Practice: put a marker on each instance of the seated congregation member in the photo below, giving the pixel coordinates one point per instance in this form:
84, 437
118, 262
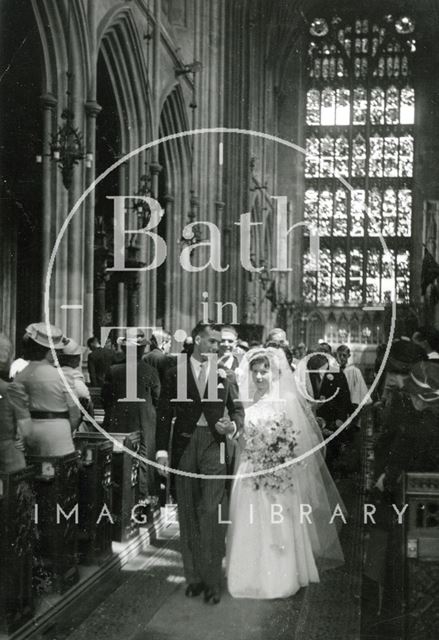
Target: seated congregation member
158, 355
134, 415
11, 458
333, 407
428, 339
40, 392
416, 446
99, 362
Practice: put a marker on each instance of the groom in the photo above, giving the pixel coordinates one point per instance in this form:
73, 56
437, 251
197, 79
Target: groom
200, 428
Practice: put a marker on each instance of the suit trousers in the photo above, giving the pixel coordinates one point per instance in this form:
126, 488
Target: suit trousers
202, 535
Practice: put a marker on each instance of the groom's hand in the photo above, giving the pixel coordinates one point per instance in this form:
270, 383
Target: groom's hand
224, 426
164, 461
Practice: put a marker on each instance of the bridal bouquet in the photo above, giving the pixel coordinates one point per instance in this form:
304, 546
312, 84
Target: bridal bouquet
270, 442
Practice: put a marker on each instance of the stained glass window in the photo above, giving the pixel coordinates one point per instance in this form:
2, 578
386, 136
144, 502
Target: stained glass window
360, 115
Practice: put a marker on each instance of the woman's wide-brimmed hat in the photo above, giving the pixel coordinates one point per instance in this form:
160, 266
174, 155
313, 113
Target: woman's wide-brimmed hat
423, 381
71, 347
139, 340
37, 331
403, 355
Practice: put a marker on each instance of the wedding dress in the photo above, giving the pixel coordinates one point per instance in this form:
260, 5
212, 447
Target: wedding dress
279, 538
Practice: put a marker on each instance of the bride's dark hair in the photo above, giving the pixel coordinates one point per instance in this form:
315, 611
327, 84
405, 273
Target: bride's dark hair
260, 359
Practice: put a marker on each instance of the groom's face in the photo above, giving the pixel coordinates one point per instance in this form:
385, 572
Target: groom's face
207, 342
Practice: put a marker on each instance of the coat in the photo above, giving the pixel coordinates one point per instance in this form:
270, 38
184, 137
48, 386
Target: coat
125, 417
187, 413
332, 384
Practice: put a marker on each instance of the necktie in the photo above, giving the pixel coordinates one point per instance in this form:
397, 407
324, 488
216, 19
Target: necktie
202, 378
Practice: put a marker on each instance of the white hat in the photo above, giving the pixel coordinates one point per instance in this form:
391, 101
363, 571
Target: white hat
139, 340
71, 348
37, 331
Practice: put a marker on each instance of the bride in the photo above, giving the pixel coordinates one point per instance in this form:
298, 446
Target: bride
280, 512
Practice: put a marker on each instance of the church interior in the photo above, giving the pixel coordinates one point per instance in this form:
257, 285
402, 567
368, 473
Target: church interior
291, 148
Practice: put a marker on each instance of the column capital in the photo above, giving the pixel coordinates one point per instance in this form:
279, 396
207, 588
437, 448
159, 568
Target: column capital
169, 199
92, 108
48, 101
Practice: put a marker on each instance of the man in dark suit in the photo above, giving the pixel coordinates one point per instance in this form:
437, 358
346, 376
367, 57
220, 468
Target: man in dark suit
229, 340
200, 429
99, 362
158, 355
125, 416
331, 388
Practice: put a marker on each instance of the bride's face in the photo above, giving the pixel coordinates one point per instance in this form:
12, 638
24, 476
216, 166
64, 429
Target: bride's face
262, 376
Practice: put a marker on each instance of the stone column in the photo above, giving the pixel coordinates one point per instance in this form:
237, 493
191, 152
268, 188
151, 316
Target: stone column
48, 102
121, 311
133, 299
92, 109
155, 168
173, 268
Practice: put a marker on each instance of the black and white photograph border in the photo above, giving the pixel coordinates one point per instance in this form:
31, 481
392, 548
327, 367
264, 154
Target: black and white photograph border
219, 339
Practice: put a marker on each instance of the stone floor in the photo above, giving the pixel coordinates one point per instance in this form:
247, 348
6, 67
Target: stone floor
146, 601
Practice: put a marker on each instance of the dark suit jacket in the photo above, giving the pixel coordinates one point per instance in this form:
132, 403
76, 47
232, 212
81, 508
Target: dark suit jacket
188, 413
332, 383
160, 361
235, 363
124, 417
415, 448
99, 363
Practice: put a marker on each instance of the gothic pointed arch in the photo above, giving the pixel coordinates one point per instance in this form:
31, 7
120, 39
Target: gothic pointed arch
179, 202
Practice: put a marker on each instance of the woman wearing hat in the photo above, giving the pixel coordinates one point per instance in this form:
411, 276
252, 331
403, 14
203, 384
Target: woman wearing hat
416, 448
395, 408
11, 458
40, 390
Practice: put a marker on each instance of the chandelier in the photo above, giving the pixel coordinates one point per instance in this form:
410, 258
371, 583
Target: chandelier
66, 145
191, 236
142, 208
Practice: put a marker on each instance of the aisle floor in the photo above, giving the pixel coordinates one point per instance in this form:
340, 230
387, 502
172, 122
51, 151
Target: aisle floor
149, 603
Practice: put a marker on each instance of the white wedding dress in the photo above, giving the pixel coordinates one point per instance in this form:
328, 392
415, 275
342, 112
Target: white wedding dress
272, 550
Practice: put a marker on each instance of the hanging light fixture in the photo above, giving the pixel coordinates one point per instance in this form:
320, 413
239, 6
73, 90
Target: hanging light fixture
142, 208
319, 27
191, 236
66, 145
405, 25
